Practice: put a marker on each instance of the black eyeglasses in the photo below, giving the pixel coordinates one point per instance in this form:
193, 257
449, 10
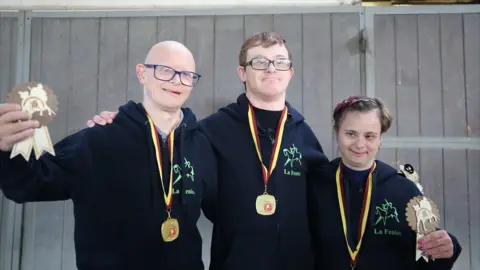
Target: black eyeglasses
166, 73
263, 64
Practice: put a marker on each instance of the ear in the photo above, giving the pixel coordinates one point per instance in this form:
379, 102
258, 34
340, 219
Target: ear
140, 71
291, 72
241, 73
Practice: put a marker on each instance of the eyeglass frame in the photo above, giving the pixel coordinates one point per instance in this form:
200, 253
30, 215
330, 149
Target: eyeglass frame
154, 66
249, 63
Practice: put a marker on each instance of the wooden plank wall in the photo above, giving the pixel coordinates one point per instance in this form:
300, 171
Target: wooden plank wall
90, 63
8, 45
427, 70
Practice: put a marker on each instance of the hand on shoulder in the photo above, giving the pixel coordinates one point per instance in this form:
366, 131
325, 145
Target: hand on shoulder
102, 119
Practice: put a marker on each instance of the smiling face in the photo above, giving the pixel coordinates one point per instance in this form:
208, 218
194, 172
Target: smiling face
265, 65
359, 138
159, 86
270, 81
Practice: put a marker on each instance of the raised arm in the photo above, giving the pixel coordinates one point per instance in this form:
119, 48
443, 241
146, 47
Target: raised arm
49, 178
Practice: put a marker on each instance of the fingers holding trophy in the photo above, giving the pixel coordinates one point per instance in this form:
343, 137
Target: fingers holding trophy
41, 103
422, 214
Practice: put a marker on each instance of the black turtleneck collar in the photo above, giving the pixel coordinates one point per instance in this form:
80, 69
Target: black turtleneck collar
354, 175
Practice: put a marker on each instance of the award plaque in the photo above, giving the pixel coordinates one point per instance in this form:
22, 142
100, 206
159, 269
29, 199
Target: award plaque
423, 217
40, 101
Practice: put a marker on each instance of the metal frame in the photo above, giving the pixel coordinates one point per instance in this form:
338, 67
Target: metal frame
200, 12
432, 142
371, 12
412, 142
12, 219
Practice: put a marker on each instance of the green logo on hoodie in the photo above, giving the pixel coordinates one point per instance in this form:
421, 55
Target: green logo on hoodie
188, 173
293, 159
385, 213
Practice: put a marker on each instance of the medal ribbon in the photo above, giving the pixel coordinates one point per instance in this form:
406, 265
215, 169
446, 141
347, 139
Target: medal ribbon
363, 215
158, 154
276, 147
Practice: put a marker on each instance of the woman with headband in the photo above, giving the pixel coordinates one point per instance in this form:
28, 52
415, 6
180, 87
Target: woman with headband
361, 211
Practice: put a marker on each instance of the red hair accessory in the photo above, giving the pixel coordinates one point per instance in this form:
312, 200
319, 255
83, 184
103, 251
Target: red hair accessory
344, 103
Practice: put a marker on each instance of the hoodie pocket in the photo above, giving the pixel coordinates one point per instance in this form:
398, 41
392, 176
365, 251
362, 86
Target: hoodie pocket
252, 249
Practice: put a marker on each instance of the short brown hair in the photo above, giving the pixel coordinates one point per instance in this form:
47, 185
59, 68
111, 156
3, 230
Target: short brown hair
362, 104
264, 39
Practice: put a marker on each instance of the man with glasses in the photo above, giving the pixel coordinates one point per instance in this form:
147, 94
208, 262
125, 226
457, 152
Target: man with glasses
262, 145
138, 184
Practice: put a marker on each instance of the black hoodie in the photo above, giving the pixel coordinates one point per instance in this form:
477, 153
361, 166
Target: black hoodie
388, 243
243, 239
111, 175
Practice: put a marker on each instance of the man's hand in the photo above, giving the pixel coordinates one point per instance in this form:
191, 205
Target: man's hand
102, 119
15, 126
437, 245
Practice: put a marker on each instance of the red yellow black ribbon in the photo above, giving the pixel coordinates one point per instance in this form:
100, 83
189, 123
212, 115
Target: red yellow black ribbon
363, 215
276, 147
170, 142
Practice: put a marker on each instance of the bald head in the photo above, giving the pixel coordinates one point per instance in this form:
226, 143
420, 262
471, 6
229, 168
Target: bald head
169, 49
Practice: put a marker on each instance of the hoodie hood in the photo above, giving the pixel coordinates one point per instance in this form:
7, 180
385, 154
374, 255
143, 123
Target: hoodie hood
383, 172
136, 114
239, 110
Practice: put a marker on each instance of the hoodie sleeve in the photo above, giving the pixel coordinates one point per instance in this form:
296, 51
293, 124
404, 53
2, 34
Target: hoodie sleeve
209, 202
48, 178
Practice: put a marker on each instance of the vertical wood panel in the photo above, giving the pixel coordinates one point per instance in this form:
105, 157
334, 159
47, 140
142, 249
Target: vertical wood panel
431, 177
317, 78
385, 61
199, 37
453, 75
456, 205
82, 105
472, 71
407, 76
345, 64
388, 155
142, 35
430, 75
8, 52
257, 23
45, 225
473, 160
229, 36
290, 27
28, 249
171, 28
112, 72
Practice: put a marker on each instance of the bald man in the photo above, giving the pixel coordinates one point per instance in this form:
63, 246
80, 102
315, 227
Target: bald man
137, 185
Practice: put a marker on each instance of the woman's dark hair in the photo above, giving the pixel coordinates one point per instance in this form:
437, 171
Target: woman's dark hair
362, 104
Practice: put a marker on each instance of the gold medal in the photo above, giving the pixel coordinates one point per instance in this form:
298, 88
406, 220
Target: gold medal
170, 230
266, 205
170, 227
